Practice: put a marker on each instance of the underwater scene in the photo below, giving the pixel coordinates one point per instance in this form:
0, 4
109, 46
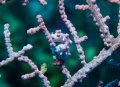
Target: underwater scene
59, 43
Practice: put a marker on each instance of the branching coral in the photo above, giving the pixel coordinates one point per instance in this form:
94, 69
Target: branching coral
19, 56
61, 51
114, 1
43, 2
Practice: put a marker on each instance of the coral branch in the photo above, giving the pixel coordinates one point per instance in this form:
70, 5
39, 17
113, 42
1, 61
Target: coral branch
81, 7
81, 74
43, 2
99, 19
66, 72
72, 30
28, 76
104, 29
118, 27
45, 30
12, 55
7, 39
114, 1
42, 27
35, 72
15, 55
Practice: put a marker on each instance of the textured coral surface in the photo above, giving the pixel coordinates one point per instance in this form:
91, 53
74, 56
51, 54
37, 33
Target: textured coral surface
59, 43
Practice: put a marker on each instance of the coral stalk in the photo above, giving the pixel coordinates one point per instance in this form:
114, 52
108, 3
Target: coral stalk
73, 32
118, 27
35, 72
42, 2
81, 74
12, 55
